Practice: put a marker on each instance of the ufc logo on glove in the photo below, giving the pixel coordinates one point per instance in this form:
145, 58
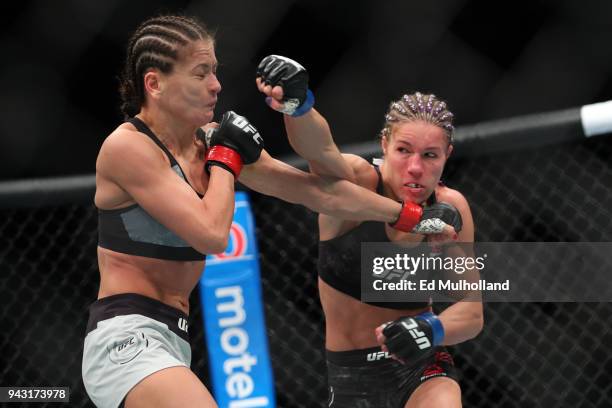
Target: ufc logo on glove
244, 124
419, 337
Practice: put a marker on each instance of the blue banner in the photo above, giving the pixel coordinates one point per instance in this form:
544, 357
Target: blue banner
230, 293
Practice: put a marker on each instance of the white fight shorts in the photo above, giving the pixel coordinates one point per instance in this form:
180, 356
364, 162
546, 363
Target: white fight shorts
130, 337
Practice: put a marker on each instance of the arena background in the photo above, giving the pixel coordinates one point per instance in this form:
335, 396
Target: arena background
489, 60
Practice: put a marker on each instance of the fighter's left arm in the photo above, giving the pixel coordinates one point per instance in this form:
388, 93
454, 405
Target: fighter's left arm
462, 320
410, 337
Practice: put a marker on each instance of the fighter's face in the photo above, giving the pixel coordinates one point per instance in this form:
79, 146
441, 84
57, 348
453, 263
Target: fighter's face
190, 90
415, 154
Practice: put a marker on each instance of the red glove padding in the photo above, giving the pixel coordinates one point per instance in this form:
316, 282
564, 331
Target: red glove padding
224, 157
409, 217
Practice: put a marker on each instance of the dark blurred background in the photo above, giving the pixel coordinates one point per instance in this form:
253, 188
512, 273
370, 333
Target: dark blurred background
58, 83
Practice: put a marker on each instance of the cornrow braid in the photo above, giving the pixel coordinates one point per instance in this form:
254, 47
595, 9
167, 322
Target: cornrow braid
418, 106
155, 44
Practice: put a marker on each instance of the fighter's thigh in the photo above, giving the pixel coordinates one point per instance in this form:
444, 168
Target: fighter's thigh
170, 387
437, 392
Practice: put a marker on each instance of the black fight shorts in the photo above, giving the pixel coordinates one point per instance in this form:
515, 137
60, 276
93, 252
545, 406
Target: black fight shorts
370, 378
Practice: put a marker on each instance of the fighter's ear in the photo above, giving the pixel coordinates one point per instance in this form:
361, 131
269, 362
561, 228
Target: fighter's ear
449, 150
384, 142
153, 83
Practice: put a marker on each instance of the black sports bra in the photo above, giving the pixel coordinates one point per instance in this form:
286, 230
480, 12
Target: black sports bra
339, 263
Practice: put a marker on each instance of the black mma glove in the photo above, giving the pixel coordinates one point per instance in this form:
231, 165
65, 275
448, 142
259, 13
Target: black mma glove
234, 143
275, 70
428, 220
410, 338
435, 216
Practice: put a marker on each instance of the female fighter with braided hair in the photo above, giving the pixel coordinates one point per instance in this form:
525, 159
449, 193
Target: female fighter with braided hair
416, 141
165, 200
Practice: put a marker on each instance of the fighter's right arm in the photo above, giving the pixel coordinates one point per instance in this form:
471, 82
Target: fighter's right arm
310, 136
134, 164
326, 195
285, 83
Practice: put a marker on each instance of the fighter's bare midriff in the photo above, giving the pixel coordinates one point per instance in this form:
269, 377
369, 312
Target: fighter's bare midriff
350, 324
170, 282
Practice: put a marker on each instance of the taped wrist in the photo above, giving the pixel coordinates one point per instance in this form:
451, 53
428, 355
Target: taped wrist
306, 106
429, 226
437, 330
224, 157
408, 218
